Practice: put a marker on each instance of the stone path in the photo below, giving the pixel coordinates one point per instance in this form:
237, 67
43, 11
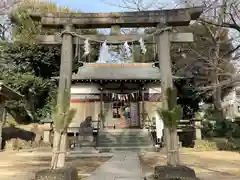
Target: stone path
122, 166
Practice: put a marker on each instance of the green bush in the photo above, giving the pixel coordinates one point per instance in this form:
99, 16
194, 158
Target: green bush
222, 128
219, 128
205, 145
11, 122
230, 144
207, 129
236, 131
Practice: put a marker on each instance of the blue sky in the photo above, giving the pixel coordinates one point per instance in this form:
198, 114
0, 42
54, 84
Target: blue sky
88, 5
98, 5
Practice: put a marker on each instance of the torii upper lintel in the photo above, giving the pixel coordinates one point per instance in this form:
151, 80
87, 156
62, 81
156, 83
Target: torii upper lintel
169, 17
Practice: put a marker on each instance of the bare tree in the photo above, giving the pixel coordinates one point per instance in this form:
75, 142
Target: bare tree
134, 5
5, 25
224, 15
219, 17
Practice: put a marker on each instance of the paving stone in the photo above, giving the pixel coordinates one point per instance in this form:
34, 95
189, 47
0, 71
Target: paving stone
122, 166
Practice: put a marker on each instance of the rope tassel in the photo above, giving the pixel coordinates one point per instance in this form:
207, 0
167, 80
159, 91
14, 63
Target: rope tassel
86, 47
142, 45
127, 49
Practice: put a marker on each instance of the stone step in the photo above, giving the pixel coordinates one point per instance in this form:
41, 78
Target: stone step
134, 133
124, 131
84, 150
124, 138
125, 145
126, 148
118, 139
124, 142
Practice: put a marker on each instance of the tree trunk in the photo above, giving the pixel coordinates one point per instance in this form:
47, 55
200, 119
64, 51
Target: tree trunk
217, 101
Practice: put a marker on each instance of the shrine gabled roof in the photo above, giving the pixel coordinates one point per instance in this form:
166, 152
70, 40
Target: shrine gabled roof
126, 71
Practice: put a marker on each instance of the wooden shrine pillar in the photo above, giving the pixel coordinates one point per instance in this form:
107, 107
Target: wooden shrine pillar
102, 116
143, 108
65, 81
163, 47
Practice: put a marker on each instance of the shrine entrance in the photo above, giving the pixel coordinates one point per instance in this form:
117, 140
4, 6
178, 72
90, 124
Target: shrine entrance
163, 20
121, 104
122, 113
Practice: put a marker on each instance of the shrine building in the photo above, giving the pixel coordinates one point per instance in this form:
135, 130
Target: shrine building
135, 86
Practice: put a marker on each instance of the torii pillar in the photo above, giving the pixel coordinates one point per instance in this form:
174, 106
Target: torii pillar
64, 87
164, 56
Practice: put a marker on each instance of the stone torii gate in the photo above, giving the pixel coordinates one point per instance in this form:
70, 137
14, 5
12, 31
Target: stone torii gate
70, 22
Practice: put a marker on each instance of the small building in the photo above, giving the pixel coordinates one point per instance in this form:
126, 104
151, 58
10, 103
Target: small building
124, 92
6, 93
128, 94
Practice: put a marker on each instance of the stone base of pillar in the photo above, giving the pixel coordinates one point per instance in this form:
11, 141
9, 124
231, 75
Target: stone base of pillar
170, 172
66, 173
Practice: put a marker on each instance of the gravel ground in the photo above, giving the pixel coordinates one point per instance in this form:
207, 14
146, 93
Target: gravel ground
208, 165
22, 165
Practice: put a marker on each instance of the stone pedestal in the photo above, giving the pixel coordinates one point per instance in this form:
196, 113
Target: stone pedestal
46, 136
47, 127
169, 173
198, 132
66, 173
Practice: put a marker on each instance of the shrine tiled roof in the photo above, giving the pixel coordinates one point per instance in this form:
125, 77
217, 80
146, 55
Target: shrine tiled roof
127, 71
